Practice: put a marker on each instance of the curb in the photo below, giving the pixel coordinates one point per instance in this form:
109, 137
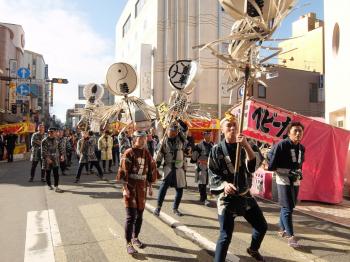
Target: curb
307, 213
187, 233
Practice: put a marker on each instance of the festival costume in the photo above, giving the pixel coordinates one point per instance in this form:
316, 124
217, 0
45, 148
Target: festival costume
35, 155
221, 172
200, 156
137, 170
285, 158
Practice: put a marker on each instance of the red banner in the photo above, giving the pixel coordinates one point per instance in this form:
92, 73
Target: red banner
18, 128
326, 148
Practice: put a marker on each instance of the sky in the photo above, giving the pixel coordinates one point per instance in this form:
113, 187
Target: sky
77, 38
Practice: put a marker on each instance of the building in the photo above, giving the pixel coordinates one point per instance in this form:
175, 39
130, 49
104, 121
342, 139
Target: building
152, 35
11, 58
305, 49
37, 102
337, 54
296, 90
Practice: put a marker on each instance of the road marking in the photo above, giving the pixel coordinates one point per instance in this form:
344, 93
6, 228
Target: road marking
42, 235
107, 232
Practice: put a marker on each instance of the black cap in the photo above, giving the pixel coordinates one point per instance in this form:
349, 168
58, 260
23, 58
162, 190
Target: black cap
52, 129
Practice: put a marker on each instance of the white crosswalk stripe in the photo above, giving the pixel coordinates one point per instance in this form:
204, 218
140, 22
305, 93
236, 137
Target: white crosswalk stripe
42, 235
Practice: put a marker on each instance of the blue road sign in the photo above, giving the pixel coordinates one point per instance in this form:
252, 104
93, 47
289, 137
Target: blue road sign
23, 72
23, 89
241, 91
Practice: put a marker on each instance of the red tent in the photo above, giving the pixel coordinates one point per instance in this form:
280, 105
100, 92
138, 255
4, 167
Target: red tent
326, 148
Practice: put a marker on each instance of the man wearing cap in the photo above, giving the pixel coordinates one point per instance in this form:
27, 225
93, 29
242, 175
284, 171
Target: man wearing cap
174, 167
35, 155
51, 155
233, 197
137, 171
200, 156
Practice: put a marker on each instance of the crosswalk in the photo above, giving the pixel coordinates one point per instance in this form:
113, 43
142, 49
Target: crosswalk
44, 243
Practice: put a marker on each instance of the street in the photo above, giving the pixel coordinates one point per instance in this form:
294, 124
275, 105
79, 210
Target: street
86, 223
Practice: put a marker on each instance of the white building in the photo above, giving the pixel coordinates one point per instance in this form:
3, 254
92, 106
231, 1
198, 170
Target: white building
337, 57
152, 34
337, 52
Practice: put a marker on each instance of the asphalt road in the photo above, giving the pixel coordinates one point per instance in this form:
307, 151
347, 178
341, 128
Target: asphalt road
85, 223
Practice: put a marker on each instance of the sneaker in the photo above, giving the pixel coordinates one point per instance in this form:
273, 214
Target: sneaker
156, 211
293, 242
51, 187
255, 254
137, 242
207, 203
130, 249
177, 212
76, 181
30, 179
43, 180
282, 233
58, 190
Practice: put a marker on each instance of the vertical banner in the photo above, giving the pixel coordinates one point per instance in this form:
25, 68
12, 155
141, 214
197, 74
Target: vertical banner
13, 68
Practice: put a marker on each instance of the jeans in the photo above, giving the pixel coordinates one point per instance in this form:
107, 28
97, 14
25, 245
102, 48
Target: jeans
32, 170
55, 176
202, 188
133, 223
254, 216
286, 220
162, 192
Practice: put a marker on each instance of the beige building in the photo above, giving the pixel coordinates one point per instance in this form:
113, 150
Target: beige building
305, 49
337, 54
152, 34
11, 57
295, 90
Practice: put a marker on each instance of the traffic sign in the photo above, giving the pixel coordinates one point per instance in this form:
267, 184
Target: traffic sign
241, 91
23, 89
23, 72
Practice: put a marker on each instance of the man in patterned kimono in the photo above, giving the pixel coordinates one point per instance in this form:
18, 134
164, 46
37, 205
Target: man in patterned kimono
35, 155
231, 203
62, 140
174, 167
124, 139
137, 171
200, 156
51, 155
86, 152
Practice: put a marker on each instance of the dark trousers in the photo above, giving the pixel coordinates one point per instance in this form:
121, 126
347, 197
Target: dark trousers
32, 170
162, 192
254, 216
115, 155
286, 220
202, 188
93, 163
63, 166
109, 164
133, 223
55, 176
69, 159
10, 154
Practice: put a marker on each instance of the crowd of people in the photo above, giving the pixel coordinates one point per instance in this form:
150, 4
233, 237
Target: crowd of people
138, 155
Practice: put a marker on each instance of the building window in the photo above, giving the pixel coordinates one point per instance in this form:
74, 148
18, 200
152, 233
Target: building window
138, 6
126, 26
340, 123
336, 39
313, 93
261, 91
